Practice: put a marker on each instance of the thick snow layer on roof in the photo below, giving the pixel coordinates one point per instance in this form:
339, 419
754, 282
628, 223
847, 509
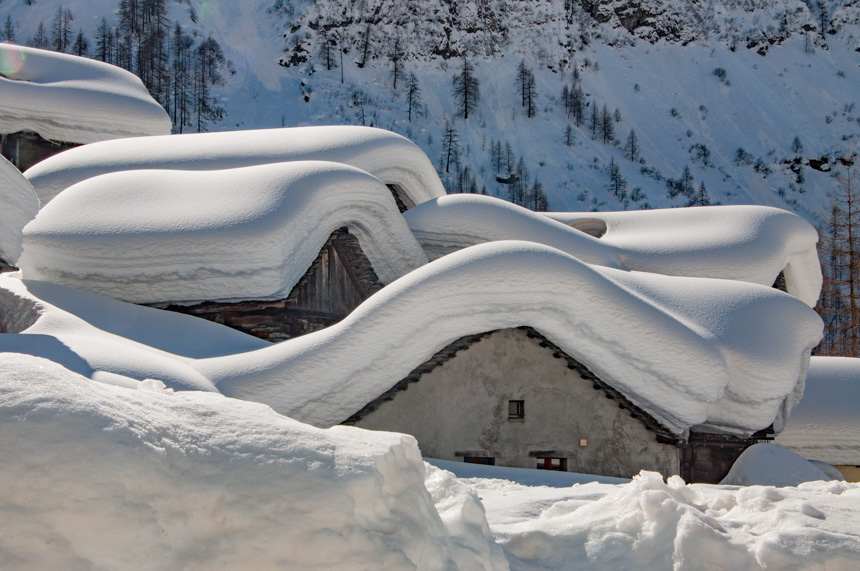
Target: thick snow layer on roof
686, 350
18, 205
245, 233
393, 159
106, 477
655, 524
68, 98
746, 243
826, 424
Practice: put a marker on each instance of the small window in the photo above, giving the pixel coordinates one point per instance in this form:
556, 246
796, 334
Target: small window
516, 409
486, 460
558, 464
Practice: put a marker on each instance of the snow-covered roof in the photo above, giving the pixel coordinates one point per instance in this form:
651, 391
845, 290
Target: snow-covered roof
686, 350
389, 157
244, 233
746, 243
826, 424
68, 98
18, 205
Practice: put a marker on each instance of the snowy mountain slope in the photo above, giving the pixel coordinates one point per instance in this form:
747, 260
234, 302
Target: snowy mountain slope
804, 86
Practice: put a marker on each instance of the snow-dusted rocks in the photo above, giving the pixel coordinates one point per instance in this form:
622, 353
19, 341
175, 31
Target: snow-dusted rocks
107, 477
746, 243
243, 233
67, 98
393, 159
18, 205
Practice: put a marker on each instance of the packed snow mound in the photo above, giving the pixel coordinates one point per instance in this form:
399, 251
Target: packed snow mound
245, 233
111, 341
826, 424
68, 98
747, 243
655, 524
18, 205
676, 347
769, 464
393, 159
106, 477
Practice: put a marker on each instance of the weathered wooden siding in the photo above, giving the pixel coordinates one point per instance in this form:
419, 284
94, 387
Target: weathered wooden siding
337, 282
24, 149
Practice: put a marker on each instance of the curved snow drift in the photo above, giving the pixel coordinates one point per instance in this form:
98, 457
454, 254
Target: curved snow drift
68, 98
183, 236
746, 243
393, 159
18, 205
675, 346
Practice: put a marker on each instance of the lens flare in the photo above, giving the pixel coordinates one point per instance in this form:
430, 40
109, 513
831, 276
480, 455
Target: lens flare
11, 61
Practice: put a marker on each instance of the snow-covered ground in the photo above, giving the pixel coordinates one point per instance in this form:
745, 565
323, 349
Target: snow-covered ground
145, 478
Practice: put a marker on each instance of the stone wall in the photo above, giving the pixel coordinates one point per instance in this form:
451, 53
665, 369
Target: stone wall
25, 148
459, 406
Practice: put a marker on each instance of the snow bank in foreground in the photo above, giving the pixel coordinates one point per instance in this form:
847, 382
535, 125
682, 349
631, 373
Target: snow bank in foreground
746, 243
100, 476
826, 424
18, 205
245, 233
68, 98
768, 464
389, 157
652, 524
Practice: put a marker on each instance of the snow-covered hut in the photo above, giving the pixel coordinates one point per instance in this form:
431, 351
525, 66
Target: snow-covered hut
825, 426
565, 343
52, 101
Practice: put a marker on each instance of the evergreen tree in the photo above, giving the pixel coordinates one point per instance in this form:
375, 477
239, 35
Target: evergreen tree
40, 38
105, 42
617, 184
701, 197
595, 119
208, 61
466, 89
797, 146
396, 56
413, 94
327, 48
577, 100
450, 146
181, 79
632, 146
61, 30
568, 135
9, 30
81, 46
606, 128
